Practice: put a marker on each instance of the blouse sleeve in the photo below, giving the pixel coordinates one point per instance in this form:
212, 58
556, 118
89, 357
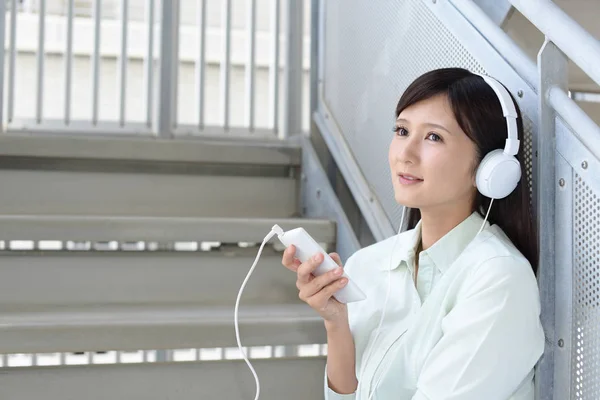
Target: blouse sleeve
331, 395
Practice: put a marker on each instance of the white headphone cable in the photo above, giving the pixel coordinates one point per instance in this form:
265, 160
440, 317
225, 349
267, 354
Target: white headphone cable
237, 306
486, 216
387, 294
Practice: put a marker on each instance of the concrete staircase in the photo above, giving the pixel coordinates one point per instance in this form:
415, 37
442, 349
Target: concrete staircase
126, 244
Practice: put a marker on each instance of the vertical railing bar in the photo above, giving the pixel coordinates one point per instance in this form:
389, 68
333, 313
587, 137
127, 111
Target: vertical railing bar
175, 61
166, 111
122, 74
149, 63
200, 62
315, 35
225, 62
292, 118
40, 62
162, 356
2, 38
69, 61
274, 67
250, 65
96, 61
11, 62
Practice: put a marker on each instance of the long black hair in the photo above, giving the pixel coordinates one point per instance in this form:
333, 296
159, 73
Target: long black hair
479, 114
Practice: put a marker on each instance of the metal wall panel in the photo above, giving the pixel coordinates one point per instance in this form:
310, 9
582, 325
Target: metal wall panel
577, 370
585, 356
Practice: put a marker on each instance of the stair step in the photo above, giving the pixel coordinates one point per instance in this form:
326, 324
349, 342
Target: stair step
280, 378
148, 177
51, 192
49, 280
150, 149
158, 229
131, 328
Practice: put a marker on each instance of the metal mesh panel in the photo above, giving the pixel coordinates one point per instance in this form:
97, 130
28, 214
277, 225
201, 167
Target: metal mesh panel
527, 144
373, 51
585, 365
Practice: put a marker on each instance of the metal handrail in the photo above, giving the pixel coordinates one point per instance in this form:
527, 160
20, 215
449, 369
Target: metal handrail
576, 118
570, 37
562, 104
503, 44
579, 46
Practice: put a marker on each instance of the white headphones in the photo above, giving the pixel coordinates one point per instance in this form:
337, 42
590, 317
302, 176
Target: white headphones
500, 172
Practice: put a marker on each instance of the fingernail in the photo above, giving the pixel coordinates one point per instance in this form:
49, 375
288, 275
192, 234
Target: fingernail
338, 271
317, 257
343, 281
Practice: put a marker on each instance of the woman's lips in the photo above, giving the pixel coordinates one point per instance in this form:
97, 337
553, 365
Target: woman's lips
407, 179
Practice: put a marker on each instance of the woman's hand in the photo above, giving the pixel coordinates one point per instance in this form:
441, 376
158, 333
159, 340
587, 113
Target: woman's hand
317, 291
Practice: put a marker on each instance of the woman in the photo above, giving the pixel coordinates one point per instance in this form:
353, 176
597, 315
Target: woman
462, 318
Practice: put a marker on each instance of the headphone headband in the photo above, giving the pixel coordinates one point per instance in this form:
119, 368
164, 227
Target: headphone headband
510, 113
499, 172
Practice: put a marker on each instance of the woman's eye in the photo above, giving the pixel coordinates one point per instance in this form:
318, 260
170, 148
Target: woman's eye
400, 131
435, 137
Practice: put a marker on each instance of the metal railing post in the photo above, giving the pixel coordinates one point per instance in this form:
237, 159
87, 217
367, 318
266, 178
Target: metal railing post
274, 66
2, 30
552, 68
225, 77
166, 113
11, 65
39, 113
292, 111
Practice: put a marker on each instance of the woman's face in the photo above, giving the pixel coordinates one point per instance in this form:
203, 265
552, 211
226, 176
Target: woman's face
431, 159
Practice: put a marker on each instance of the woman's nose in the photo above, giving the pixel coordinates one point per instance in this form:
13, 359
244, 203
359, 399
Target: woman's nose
407, 150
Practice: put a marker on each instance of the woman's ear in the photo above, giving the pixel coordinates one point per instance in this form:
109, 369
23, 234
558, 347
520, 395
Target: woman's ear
474, 175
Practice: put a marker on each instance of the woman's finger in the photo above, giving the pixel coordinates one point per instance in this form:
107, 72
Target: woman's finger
320, 299
288, 260
336, 258
315, 285
305, 270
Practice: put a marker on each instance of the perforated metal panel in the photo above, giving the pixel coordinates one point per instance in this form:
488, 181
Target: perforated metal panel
528, 152
372, 52
585, 364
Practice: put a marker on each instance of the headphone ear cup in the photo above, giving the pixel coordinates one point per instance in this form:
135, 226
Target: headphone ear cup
498, 174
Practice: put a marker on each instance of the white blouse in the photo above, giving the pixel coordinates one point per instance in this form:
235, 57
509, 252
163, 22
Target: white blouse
470, 329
